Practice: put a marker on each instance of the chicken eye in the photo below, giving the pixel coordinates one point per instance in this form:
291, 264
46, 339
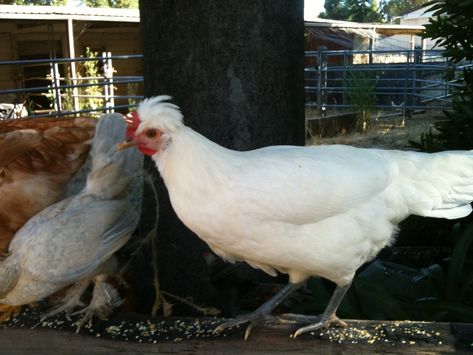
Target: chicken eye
151, 133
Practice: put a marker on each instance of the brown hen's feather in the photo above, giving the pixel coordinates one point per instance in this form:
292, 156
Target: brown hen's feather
38, 157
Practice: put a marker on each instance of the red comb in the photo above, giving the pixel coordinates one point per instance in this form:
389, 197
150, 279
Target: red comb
133, 121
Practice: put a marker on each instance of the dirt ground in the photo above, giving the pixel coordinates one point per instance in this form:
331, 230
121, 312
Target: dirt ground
388, 132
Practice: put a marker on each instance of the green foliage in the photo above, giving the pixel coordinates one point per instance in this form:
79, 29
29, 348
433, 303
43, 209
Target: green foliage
361, 95
394, 8
452, 28
88, 72
335, 10
454, 130
91, 72
132, 90
352, 10
368, 10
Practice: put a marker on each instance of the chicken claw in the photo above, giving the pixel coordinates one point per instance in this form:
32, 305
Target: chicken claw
327, 319
6, 311
316, 322
262, 315
70, 301
257, 318
104, 299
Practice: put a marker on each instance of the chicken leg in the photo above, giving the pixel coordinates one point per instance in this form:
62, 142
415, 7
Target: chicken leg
261, 314
71, 300
327, 319
104, 299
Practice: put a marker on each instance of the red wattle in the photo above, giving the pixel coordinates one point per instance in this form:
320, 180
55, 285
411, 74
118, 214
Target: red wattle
147, 151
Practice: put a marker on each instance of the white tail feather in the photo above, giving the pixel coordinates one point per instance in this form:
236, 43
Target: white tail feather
444, 182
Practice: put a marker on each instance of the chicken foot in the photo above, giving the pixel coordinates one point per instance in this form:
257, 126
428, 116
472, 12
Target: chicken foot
70, 301
6, 311
326, 320
104, 299
262, 314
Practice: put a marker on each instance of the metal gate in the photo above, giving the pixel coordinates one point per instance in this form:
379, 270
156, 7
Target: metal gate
71, 91
407, 79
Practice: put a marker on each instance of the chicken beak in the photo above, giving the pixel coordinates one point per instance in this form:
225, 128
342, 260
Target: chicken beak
128, 143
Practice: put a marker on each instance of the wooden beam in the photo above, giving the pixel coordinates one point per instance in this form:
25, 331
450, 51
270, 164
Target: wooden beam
132, 333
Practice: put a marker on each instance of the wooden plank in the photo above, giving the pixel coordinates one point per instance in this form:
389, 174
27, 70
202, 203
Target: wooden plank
129, 333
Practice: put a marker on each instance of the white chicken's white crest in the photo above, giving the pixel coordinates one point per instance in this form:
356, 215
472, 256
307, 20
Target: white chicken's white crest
156, 112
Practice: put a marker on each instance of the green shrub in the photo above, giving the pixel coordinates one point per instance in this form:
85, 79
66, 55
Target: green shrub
361, 88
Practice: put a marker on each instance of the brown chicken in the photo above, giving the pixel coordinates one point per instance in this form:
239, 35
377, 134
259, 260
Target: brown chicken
38, 157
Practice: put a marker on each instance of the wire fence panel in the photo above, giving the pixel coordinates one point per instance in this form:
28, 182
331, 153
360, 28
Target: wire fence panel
407, 79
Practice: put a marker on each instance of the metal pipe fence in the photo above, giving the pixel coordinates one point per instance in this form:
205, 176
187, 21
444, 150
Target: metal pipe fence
69, 94
396, 79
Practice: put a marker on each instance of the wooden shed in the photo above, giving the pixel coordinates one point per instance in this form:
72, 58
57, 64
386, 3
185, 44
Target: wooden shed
41, 32
346, 35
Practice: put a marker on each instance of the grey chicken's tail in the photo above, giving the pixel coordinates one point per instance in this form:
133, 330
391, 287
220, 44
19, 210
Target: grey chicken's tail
112, 169
10, 274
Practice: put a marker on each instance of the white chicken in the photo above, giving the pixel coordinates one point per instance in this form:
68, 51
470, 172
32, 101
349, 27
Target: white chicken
303, 211
72, 241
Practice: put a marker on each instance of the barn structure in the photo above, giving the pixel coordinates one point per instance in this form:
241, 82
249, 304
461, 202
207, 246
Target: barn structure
42, 32
346, 35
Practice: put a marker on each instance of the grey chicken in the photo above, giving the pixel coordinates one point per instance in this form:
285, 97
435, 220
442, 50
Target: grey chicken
72, 241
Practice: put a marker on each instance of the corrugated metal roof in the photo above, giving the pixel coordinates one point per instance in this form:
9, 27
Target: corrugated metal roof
368, 26
80, 13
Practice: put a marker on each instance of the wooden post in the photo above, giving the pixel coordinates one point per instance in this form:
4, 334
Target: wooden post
370, 54
72, 65
236, 69
412, 45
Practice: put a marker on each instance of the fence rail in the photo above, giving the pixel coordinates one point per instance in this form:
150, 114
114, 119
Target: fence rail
401, 79
398, 79
85, 94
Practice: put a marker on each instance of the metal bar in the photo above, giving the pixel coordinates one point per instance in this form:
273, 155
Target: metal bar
327, 82
116, 97
46, 88
390, 107
105, 80
67, 60
54, 70
108, 73
319, 80
67, 113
